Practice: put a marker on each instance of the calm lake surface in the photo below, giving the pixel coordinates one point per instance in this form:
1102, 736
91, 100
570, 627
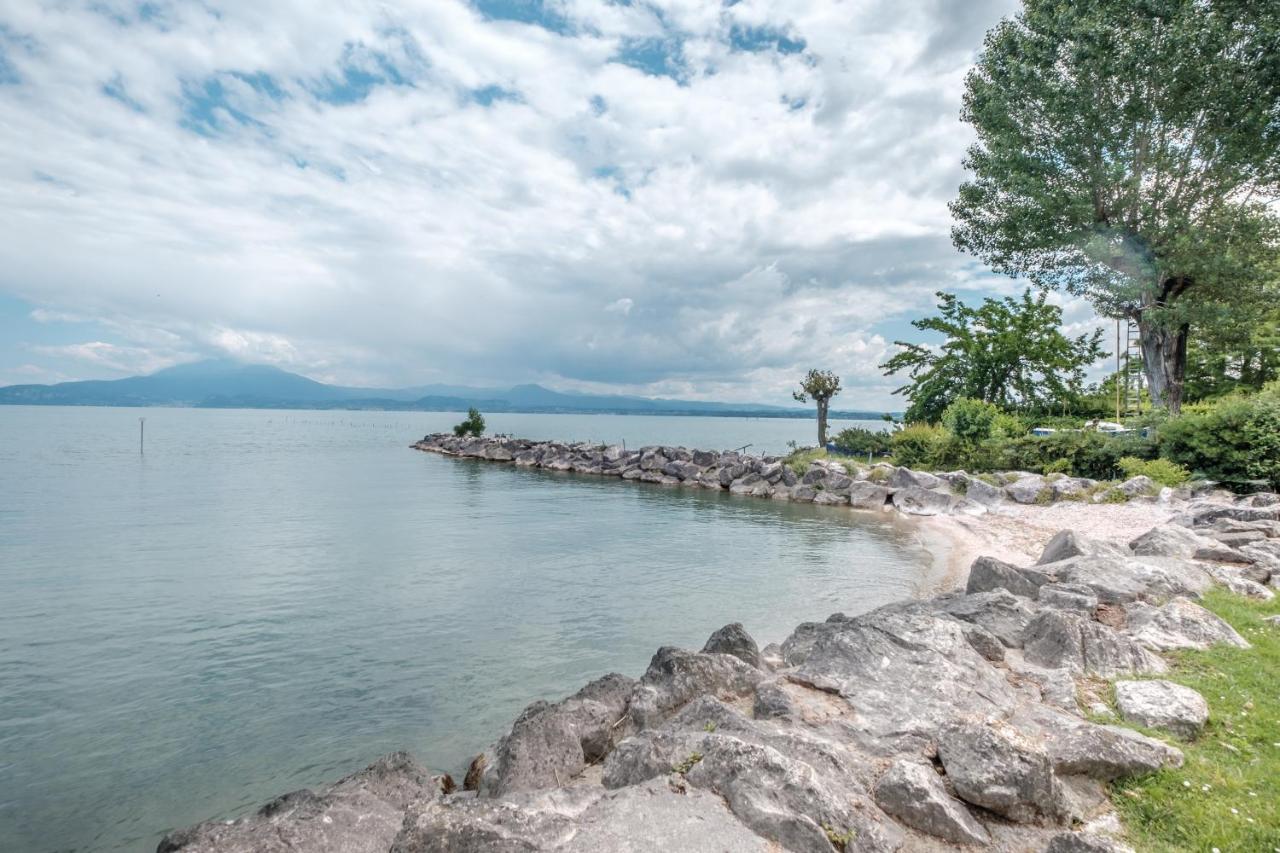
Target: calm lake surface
268, 600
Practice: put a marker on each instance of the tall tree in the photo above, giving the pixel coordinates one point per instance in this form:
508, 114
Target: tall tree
1008, 351
821, 385
1127, 150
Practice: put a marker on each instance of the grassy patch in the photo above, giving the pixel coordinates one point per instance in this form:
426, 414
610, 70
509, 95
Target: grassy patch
1227, 794
800, 460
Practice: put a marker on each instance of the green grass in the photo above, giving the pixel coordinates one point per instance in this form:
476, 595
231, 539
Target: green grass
800, 460
1227, 794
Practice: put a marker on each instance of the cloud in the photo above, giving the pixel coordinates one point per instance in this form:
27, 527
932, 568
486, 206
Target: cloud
452, 192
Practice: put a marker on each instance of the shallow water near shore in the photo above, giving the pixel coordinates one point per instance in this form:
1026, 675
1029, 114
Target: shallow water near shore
267, 600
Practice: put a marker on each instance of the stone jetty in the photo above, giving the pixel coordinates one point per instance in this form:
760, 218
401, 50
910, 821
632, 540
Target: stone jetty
824, 481
960, 722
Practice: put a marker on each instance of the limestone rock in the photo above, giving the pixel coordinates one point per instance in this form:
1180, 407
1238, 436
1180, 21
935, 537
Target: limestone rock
988, 573
1000, 770
999, 611
1162, 705
1080, 748
550, 743
915, 795
1056, 638
906, 672
1119, 580
1180, 624
1066, 544
1029, 489
905, 478
676, 676
734, 640
1138, 486
1069, 596
914, 500
867, 495
1169, 540
360, 814
1085, 842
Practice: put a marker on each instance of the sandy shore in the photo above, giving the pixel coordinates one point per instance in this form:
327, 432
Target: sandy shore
1016, 533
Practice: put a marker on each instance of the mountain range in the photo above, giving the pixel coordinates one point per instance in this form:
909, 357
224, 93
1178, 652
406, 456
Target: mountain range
221, 383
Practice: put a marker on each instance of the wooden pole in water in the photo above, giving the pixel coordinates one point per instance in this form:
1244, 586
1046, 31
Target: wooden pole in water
142, 425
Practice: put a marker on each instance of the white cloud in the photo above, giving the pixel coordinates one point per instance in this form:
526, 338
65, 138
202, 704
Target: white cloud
763, 214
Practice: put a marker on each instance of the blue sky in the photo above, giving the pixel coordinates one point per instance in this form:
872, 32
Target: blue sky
674, 198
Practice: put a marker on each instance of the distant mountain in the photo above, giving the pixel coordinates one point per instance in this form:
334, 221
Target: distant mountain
231, 384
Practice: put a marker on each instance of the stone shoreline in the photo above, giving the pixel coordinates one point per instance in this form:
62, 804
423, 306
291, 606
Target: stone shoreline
945, 724
827, 482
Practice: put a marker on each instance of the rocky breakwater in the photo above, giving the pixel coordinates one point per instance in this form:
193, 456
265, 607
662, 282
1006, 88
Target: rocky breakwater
823, 481
945, 724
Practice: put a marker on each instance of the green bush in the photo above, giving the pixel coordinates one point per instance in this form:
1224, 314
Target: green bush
856, 441
970, 421
473, 425
1009, 426
918, 445
1087, 454
1234, 441
1163, 471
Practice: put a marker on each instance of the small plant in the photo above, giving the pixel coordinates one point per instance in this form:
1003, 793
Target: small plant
918, 445
1163, 471
1058, 466
709, 727
472, 426
685, 766
1044, 497
878, 475
839, 840
856, 441
1113, 495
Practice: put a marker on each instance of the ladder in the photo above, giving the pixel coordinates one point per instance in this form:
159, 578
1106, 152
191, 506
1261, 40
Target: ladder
1132, 376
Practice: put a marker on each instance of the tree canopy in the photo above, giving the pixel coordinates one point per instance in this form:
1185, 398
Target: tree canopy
1127, 152
1010, 352
821, 385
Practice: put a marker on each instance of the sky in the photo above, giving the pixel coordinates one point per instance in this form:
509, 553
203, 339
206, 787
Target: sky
676, 198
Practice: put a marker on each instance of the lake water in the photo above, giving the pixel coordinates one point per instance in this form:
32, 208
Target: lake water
268, 600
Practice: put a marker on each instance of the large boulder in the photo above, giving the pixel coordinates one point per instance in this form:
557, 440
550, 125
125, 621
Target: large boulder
1180, 624
999, 611
551, 743
676, 677
1056, 638
1069, 596
988, 573
998, 768
867, 495
905, 478
1119, 580
1080, 748
1169, 540
362, 813
905, 671
914, 500
915, 795
1159, 704
1138, 486
1066, 544
982, 492
1029, 490
734, 640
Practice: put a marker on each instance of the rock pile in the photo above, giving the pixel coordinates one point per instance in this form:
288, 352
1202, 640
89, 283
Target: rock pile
824, 482
943, 724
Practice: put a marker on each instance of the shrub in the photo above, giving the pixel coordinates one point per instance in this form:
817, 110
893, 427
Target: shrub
856, 441
1234, 441
1088, 454
1009, 426
918, 445
473, 425
1163, 471
970, 421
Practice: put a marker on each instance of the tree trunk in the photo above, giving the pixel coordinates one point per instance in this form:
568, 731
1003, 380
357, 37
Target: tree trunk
822, 422
1164, 359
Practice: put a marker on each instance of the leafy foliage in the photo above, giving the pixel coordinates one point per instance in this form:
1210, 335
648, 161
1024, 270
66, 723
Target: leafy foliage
1009, 352
1126, 151
970, 420
1163, 471
856, 441
918, 445
1234, 441
473, 425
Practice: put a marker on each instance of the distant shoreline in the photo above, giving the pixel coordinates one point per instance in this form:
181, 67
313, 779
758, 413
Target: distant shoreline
394, 406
